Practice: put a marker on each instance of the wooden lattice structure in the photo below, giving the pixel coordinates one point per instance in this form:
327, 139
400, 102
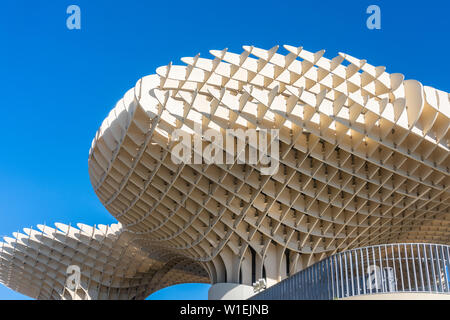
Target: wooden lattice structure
363, 160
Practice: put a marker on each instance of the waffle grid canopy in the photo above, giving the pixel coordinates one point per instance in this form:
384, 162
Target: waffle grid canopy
363, 160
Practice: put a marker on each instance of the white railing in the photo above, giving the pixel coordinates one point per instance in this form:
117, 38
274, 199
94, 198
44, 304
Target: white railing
404, 267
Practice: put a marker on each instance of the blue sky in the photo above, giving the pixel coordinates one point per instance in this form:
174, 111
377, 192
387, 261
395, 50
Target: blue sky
57, 85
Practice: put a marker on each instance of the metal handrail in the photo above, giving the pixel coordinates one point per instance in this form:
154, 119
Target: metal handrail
390, 268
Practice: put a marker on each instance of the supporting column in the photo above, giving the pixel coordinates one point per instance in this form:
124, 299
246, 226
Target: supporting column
230, 291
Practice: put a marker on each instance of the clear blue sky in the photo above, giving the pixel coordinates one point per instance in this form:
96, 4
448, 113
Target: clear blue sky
57, 85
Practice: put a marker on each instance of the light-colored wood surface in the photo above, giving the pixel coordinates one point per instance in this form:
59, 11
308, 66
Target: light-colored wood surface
113, 264
363, 161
